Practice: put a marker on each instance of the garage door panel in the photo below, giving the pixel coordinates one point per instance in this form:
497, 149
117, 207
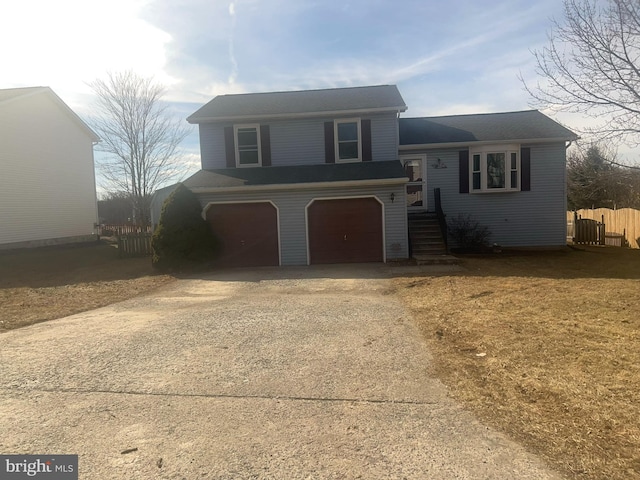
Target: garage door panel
345, 230
248, 233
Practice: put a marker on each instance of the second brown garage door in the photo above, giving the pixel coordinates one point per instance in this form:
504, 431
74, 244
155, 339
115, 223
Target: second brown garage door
248, 233
345, 231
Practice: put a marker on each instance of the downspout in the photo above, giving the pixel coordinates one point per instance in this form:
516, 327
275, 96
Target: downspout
96, 224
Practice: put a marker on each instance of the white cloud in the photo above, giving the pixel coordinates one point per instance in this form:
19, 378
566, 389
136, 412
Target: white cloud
66, 43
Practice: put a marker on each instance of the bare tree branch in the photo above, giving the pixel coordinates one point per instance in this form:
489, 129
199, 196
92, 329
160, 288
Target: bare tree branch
592, 66
139, 136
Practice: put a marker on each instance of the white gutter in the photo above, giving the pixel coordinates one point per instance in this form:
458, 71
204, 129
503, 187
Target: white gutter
302, 186
332, 113
421, 146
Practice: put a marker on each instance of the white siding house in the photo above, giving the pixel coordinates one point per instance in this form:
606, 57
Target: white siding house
47, 179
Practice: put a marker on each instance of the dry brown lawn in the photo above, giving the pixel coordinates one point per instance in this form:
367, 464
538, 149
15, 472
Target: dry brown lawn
48, 283
544, 346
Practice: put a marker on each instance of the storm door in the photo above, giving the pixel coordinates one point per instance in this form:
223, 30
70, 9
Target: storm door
415, 169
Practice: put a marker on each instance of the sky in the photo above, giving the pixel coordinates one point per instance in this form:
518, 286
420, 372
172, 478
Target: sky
459, 56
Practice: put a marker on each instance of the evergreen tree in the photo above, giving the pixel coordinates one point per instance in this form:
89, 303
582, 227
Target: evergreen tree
183, 239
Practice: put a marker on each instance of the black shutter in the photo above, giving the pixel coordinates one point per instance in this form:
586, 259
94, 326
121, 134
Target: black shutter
230, 147
265, 145
525, 169
463, 156
329, 145
365, 126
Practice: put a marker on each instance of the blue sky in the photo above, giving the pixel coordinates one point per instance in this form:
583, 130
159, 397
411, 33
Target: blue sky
459, 56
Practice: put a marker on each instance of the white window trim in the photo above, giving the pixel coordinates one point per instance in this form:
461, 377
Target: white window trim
483, 150
336, 140
235, 140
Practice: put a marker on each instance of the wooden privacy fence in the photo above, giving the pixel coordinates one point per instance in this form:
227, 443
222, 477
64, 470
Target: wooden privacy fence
134, 245
588, 232
622, 226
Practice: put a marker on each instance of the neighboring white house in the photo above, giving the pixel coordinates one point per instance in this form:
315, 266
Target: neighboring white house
47, 178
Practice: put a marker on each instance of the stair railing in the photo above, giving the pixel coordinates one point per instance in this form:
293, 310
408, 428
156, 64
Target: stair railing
442, 218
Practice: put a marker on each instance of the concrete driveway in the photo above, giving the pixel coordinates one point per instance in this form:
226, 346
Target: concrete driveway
277, 373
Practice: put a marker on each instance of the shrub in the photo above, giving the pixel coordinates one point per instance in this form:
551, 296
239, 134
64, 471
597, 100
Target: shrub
183, 239
467, 233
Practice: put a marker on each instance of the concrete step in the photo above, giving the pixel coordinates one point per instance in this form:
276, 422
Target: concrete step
436, 260
415, 246
433, 248
428, 246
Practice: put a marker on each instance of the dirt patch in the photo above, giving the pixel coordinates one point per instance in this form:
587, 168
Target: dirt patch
545, 347
47, 283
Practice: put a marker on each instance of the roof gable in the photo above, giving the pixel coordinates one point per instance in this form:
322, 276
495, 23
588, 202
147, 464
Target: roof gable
489, 127
302, 103
11, 95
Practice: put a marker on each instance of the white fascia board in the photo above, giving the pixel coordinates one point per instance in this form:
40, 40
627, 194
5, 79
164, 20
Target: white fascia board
94, 136
296, 115
431, 146
302, 186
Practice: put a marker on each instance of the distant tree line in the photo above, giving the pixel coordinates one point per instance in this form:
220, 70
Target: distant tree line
596, 180
116, 208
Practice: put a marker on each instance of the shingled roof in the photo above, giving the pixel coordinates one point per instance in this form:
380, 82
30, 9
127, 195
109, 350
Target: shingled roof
389, 171
510, 126
303, 103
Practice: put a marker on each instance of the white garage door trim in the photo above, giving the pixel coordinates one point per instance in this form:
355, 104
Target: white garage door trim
382, 212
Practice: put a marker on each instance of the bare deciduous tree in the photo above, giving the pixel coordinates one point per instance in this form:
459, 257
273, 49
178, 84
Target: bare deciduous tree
139, 137
592, 66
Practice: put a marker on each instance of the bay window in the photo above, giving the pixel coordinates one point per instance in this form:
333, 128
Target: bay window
495, 168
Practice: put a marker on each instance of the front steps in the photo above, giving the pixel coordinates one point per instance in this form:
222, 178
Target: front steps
425, 236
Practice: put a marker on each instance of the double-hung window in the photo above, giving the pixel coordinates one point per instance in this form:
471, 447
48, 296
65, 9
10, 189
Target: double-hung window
495, 168
247, 141
348, 143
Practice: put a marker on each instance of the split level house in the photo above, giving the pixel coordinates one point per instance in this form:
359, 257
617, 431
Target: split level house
47, 180
336, 175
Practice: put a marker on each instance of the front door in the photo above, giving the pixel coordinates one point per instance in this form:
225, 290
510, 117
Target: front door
415, 166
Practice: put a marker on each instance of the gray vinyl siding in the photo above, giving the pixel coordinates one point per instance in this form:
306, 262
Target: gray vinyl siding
292, 204
301, 141
384, 137
532, 218
298, 142
212, 149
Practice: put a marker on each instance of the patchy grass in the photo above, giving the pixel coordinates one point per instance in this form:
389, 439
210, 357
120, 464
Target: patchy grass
48, 283
546, 347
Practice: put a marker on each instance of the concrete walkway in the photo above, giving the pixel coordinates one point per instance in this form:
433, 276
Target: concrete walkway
279, 373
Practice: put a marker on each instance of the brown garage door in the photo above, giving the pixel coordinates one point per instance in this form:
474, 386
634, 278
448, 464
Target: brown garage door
248, 233
346, 230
